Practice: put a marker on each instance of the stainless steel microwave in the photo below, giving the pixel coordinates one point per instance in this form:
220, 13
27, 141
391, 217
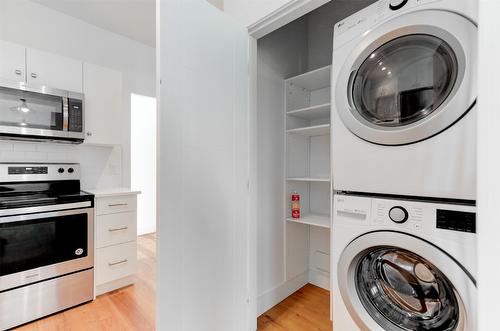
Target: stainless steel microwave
40, 113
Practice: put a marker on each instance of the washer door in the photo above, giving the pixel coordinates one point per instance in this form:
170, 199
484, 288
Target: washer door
394, 281
409, 79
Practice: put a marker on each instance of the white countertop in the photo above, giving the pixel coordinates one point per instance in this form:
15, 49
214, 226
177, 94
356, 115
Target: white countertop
108, 192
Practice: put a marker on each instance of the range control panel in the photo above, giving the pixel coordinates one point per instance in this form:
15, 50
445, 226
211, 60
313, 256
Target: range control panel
22, 172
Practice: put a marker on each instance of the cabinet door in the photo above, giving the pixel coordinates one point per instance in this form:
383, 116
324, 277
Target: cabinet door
12, 62
102, 88
203, 171
43, 68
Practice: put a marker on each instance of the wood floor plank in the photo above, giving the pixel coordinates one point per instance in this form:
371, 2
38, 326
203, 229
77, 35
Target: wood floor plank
308, 309
133, 308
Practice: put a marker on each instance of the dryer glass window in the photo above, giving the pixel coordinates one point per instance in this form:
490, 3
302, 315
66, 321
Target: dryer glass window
405, 80
403, 291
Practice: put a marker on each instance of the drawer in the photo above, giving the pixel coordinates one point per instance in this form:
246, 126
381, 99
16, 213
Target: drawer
115, 262
116, 204
115, 229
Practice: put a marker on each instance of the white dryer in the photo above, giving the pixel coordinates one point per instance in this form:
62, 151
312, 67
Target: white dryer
403, 265
403, 99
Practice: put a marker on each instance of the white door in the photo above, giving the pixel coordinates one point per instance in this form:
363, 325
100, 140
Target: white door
409, 79
203, 224
12, 62
102, 88
53, 70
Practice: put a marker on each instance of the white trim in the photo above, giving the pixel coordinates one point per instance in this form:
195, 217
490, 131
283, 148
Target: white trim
319, 278
282, 16
272, 297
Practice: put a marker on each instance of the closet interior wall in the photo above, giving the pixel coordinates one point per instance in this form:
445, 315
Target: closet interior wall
287, 254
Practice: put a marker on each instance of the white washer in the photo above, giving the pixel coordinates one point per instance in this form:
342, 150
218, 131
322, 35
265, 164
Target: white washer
403, 265
403, 99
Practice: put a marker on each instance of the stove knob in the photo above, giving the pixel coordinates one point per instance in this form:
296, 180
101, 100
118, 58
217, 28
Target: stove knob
397, 4
71, 170
60, 170
398, 215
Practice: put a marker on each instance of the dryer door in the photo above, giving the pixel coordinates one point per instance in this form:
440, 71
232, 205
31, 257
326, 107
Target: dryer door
394, 281
409, 79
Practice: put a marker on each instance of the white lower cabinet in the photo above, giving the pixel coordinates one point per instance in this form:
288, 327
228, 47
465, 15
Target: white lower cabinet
115, 262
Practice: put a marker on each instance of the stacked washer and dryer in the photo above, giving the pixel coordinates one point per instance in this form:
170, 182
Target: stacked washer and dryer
404, 167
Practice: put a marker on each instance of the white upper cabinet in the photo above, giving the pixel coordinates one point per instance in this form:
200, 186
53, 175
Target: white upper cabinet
102, 88
12, 62
54, 71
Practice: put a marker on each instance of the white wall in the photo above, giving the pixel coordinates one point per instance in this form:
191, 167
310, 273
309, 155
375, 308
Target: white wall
488, 165
143, 160
36, 26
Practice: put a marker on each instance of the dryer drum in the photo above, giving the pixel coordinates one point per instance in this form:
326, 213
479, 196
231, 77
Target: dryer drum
399, 287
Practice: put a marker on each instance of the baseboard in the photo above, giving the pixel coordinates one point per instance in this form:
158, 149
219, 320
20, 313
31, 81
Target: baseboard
274, 296
320, 279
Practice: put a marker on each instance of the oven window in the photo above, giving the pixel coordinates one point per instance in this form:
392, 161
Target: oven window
30, 110
31, 244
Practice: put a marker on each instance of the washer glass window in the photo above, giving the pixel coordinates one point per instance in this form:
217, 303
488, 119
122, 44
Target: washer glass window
404, 80
401, 289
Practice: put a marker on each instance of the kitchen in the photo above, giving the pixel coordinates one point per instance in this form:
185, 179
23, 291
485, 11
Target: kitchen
222, 248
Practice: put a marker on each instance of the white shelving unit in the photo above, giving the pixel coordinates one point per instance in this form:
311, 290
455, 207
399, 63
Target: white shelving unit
322, 221
311, 131
312, 113
308, 172
308, 179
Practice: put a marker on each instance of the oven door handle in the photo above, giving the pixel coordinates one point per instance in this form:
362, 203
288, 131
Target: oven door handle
38, 215
42, 209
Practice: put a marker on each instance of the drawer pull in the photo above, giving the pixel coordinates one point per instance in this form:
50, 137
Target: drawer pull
118, 229
119, 262
117, 204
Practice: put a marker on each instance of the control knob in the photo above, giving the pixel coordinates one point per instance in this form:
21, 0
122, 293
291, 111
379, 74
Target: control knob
397, 4
60, 170
398, 214
71, 170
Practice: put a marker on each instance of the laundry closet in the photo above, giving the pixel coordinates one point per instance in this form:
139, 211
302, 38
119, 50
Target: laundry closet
293, 153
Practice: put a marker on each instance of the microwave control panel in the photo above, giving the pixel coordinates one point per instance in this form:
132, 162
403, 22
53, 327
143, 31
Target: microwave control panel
75, 115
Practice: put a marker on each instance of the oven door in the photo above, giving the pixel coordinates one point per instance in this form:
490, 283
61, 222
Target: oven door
39, 246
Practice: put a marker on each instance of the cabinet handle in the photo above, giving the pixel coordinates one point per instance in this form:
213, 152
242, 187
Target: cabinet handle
117, 204
118, 229
34, 75
89, 134
18, 72
116, 263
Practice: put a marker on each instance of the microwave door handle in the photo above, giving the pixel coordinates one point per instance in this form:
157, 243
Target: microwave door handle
65, 114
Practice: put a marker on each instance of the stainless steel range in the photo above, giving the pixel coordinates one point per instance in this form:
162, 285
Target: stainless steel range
46, 241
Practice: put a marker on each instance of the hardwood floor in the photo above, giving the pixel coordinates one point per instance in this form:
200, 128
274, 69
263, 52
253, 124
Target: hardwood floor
133, 307
308, 309
130, 308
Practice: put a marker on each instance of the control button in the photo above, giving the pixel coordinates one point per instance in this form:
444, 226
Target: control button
60, 170
397, 4
71, 170
398, 215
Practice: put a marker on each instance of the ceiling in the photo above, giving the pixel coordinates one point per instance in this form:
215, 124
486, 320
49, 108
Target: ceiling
135, 19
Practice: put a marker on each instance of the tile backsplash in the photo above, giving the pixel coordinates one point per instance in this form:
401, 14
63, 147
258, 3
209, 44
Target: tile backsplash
101, 166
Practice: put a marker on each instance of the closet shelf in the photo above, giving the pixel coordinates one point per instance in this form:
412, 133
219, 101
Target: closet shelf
316, 130
308, 179
322, 221
312, 80
312, 113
